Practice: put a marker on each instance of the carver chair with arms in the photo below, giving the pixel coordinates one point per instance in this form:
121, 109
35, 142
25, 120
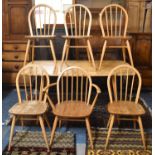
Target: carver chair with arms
75, 98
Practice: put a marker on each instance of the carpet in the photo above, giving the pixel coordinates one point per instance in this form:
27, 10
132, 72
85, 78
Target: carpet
122, 142
32, 142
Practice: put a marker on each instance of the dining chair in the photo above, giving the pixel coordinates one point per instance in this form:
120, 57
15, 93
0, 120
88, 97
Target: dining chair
113, 21
42, 22
124, 86
77, 22
31, 105
75, 99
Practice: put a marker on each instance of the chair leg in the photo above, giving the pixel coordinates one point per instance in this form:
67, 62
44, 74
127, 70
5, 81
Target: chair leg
118, 120
91, 53
53, 51
48, 124
27, 51
67, 50
102, 54
88, 55
60, 122
109, 121
53, 130
63, 53
124, 54
43, 131
109, 130
12, 131
89, 133
33, 50
22, 122
134, 123
129, 52
141, 131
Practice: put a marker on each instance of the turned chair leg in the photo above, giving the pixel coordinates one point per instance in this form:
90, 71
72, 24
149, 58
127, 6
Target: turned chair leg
11, 132
53, 53
102, 54
67, 50
129, 52
91, 53
89, 59
89, 133
63, 54
53, 130
47, 122
142, 131
60, 123
43, 131
109, 121
109, 130
124, 54
27, 51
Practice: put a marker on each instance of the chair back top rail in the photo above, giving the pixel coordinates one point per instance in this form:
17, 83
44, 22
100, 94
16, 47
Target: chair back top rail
124, 84
33, 78
113, 20
78, 20
42, 20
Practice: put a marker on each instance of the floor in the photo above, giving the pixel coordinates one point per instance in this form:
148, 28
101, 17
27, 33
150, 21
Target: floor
9, 98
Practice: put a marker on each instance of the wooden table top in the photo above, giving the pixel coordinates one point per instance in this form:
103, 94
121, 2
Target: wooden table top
107, 66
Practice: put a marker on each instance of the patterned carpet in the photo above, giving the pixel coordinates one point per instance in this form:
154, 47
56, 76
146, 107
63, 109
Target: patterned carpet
122, 142
32, 143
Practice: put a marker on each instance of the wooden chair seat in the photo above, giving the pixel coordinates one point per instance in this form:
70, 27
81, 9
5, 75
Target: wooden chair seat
29, 108
72, 109
125, 108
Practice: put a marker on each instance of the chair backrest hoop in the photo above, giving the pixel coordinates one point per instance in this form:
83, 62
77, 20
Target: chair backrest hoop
50, 27
79, 24
120, 71
77, 78
114, 23
35, 71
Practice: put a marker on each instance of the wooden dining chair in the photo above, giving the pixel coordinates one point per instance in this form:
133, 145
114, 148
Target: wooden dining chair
124, 85
77, 22
113, 21
31, 105
42, 22
75, 98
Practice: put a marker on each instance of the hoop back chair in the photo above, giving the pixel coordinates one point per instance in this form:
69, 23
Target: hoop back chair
42, 23
124, 85
31, 103
113, 21
74, 91
77, 22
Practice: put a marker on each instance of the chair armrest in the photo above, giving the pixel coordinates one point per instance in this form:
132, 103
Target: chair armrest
98, 90
40, 37
50, 85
